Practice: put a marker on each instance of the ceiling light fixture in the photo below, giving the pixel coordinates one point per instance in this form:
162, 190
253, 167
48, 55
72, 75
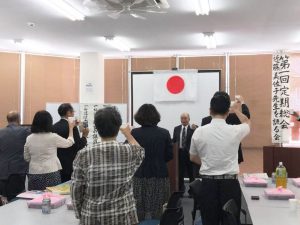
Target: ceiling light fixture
65, 8
18, 41
115, 42
209, 40
202, 7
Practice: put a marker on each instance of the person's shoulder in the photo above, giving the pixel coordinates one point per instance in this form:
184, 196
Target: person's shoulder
30, 137
59, 123
207, 118
135, 130
238, 127
3, 130
163, 130
177, 127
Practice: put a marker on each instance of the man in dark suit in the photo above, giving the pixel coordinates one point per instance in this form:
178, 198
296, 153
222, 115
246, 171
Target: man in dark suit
13, 167
66, 156
233, 120
182, 135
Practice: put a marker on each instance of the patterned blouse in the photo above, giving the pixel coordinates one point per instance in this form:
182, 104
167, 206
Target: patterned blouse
101, 187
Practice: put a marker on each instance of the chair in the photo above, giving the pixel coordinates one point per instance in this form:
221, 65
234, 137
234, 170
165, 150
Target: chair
173, 214
231, 213
195, 190
175, 201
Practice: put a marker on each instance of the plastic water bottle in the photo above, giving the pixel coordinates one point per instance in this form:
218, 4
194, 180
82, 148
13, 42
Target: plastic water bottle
46, 204
281, 176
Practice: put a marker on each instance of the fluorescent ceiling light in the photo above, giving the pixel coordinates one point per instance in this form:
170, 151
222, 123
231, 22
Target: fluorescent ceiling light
209, 40
65, 8
115, 42
202, 7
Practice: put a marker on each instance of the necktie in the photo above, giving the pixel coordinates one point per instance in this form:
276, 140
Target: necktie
183, 138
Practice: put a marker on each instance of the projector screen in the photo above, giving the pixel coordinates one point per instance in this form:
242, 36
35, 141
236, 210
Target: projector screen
142, 91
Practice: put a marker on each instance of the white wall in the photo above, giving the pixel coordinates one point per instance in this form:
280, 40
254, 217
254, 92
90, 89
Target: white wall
91, 85
208, 84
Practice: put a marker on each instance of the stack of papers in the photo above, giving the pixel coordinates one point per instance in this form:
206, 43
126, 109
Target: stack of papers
62, 189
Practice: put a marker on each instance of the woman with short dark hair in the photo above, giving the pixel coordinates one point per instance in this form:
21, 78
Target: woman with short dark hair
40, 151
101, 187
151, 181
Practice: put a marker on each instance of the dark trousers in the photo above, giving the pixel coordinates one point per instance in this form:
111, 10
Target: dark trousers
214, 194
185, 166
14, 185
65, 176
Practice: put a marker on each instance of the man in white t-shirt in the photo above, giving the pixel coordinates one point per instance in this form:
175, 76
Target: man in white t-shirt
215, 147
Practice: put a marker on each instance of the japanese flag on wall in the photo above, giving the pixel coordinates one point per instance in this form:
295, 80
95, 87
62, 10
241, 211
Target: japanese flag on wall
175, 87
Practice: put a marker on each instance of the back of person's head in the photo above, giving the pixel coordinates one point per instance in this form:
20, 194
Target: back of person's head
42, 122
13, 117
108, 121
147, 115
220, 103
64, 108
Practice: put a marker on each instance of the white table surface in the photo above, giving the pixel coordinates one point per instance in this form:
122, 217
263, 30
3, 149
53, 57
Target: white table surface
271, 212
17, 213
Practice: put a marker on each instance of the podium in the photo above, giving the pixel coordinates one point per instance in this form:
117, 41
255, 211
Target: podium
173, 169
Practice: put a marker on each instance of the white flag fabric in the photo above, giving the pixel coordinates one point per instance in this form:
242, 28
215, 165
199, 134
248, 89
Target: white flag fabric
175, 87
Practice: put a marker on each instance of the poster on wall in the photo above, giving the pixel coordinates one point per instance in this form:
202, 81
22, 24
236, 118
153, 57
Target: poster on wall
87, 113
280, 97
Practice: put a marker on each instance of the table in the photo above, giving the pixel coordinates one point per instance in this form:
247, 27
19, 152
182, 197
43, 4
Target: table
270, 212
17, 213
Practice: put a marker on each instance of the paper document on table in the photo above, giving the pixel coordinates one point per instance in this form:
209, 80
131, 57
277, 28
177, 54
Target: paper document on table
62, 189
30, 194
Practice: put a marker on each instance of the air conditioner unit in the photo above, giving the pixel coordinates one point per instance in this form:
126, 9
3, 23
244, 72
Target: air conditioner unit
117, 4
162, 3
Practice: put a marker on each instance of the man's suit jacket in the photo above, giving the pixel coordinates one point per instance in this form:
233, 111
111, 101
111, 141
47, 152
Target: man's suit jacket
12, 141
233, 120
189, 134
67, 155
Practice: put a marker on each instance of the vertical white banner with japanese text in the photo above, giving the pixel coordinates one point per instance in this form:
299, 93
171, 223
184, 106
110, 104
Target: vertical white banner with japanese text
280, 97
87, 113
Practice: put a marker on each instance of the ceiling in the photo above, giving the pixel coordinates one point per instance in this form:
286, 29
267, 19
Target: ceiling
240, 26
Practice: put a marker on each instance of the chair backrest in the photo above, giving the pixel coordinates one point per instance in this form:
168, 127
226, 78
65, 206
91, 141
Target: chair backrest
172, 216
195, 188
230, 213
174, 200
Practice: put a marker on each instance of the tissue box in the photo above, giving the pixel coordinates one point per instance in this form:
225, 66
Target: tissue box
279, 193
255, 182
296, 182
70, 205
56, 201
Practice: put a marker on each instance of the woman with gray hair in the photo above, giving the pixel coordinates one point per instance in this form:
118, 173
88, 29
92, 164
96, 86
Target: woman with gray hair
101, 187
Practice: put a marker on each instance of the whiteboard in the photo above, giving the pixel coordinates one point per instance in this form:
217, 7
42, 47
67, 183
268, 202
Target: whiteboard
208, 82
78, 108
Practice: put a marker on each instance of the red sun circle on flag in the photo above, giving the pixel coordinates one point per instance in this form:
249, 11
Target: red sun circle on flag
175, 84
